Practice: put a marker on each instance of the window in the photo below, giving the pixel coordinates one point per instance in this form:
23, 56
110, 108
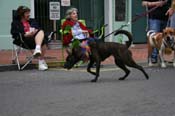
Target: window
120, 10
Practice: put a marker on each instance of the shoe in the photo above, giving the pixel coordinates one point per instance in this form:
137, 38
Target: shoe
37, 53
154, 60
42, 65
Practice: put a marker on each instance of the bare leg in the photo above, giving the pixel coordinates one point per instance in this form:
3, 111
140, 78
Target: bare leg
40, 52
39, 38
44, 48
38, 41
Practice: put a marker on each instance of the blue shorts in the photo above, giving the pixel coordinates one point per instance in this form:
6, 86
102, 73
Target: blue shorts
157, 25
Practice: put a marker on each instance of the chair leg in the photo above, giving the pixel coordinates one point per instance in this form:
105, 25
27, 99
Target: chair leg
13, 56
16, 57
28, 61
15, 60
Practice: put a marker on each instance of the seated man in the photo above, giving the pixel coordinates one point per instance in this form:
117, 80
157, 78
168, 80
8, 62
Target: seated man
77, 29
33, 37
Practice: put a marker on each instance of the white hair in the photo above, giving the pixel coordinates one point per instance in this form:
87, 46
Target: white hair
69, 11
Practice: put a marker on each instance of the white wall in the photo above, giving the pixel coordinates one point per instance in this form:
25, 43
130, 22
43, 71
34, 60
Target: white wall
108, 19
6, 7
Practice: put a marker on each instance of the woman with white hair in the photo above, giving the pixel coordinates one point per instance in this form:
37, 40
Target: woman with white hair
76, 29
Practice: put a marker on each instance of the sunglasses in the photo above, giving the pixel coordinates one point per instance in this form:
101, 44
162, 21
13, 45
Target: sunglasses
24, 8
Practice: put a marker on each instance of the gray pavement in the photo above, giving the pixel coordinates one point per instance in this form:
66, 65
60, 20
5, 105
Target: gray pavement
59, 92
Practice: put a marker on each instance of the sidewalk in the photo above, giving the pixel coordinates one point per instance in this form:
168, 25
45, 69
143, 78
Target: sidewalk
54, 57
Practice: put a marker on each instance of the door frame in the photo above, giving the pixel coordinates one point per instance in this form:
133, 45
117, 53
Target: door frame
110, 18
32, 7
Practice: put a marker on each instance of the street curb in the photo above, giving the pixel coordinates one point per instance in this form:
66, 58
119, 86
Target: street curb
13, 67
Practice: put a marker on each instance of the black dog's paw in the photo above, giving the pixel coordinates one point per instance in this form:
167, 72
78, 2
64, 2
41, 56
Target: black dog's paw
121, 79
93, 80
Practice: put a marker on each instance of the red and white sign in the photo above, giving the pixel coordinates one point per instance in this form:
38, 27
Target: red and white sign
65, 2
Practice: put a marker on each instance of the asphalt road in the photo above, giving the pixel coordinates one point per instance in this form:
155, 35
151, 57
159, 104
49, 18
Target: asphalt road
58, 92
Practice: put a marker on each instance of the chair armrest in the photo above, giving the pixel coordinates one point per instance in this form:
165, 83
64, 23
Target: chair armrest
64, 32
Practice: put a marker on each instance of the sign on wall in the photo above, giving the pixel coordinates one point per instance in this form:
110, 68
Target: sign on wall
54, 10
65, 2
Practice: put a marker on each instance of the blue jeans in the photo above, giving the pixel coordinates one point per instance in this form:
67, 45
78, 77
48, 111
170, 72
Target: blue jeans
172, 21
157, 26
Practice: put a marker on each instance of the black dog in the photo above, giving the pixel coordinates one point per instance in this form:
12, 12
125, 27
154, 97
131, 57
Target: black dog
102, 50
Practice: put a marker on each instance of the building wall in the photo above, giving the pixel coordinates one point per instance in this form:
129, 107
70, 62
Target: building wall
140, 24
6, 7
108, 18
92, 11
114, 24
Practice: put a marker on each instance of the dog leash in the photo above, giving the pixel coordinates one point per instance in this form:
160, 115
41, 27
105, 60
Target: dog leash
168, 22
147, 11
136, 18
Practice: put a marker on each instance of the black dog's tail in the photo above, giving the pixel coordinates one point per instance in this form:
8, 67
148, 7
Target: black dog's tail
126, 33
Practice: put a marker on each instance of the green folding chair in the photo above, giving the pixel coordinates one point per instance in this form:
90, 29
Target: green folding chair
99, 32
64, 32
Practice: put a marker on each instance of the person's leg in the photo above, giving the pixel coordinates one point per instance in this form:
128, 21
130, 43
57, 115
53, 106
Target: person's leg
172, 21
38, 41
40, 51
41, 61
155, 25
164, 24
43, 50
39, 37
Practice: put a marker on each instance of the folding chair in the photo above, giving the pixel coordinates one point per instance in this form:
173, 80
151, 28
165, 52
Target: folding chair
64, 32
20, 46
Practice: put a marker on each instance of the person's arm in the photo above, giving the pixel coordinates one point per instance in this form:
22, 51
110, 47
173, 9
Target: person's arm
171, 10
153, 4
30, 34
85, 30
173, 4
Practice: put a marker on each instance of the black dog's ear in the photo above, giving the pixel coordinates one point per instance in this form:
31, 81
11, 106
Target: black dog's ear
69, 51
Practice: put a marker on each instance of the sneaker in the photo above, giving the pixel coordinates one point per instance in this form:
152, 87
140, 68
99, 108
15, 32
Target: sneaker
154, 60
37, 53
42, 65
